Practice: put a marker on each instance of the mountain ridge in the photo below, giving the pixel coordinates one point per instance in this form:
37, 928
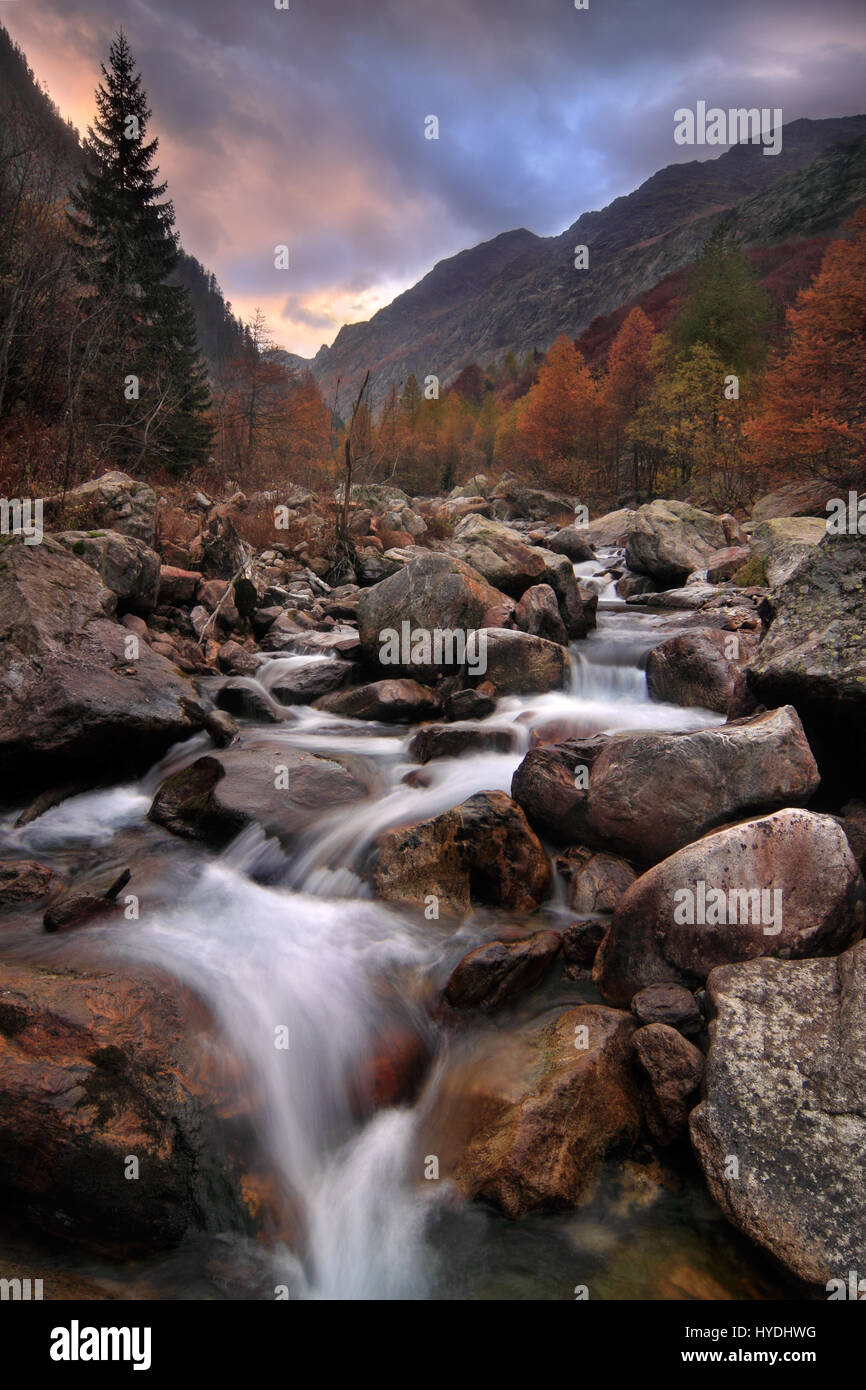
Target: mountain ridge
525, 300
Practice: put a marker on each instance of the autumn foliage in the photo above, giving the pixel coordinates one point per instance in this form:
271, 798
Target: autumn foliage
813, 408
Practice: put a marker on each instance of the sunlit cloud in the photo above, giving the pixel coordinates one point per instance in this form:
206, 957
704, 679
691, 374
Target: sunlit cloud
306, 127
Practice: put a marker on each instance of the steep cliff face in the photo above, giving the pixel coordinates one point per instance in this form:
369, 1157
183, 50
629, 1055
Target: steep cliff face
521, 291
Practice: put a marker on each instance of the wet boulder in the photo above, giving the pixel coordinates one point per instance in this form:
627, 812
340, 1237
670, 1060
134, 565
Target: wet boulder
534, 1114
246, 699
520, 664
572, 541
651, 793
235, 660
453, 740
469, 704
538, 614
582, 939
25, 881
785, 1096
703, 668
606, 791
498, 971
101, 703
310, 680
482, 851
783, 885
673, 1005
89, 899
256, 782
95, 1069
387, 702
550, 786
594, 882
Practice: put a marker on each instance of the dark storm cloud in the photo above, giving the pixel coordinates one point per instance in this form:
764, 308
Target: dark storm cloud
306, 126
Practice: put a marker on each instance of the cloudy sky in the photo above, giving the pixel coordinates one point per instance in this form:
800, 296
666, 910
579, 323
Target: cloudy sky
306, 126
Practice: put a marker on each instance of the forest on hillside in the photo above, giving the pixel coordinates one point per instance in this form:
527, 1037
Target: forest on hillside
118, 349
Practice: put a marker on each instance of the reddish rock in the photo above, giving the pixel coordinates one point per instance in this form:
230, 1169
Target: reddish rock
723, 564
581, 941
400, 701
534, 1114
595, 882
495, 973
451, 740
670, 1004
392, 1073
701, 779
470, 704
177, 585
538, 613
789, 882
24, 881
480, 851
235, 660
669, 1070
702, 668
94, 1069
83, 903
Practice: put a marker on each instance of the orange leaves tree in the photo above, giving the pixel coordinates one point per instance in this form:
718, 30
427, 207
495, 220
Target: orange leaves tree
813, 410
631, 368
558, 419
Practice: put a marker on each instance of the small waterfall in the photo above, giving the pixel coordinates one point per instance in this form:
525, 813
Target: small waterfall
271, 939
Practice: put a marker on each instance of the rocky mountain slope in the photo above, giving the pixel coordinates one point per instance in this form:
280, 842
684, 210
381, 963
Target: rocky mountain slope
521, 291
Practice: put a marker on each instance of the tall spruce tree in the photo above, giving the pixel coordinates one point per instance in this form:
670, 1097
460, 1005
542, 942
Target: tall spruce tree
144, 386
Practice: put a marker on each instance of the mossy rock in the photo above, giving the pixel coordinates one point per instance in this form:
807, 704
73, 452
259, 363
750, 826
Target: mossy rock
753, 573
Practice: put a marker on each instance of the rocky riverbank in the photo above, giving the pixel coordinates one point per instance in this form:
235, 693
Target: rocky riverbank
591, 933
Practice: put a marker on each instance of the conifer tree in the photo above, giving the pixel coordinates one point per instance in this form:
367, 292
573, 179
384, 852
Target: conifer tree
725, 306
144, 385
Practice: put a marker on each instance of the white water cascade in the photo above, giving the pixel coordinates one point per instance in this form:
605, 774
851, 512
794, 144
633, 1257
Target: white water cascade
310, 950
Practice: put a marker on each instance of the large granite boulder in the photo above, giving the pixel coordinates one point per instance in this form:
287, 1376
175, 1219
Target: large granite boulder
781, 1134
76, 688
113, 501
432, 594
783, 885
647, 794
126, 566
782, 542
703, 668
668, 540
814, 656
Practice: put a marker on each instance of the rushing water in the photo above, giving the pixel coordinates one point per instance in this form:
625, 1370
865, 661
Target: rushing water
269, 939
